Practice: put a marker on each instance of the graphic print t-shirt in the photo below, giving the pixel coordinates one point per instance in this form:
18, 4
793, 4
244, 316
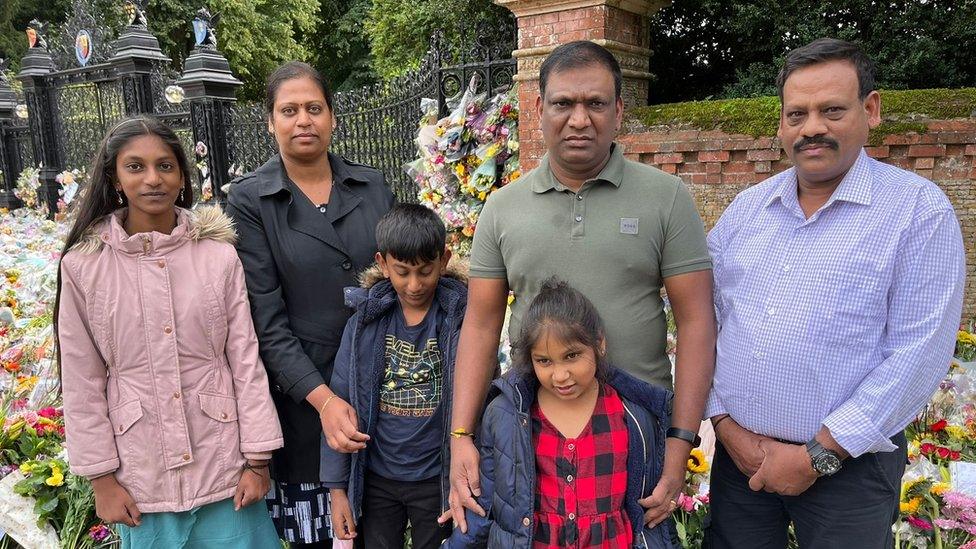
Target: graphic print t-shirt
409, 430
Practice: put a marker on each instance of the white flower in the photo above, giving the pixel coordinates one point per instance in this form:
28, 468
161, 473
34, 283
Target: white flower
174, 94
21, 111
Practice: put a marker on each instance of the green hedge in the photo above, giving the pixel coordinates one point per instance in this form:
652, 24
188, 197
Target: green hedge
903, 111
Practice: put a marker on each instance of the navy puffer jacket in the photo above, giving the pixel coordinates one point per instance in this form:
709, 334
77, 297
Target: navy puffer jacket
508, 463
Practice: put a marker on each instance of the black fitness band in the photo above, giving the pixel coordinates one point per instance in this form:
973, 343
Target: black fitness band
685, 435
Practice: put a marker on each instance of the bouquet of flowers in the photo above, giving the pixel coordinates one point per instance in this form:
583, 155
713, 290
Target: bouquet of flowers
464, 157
28, 183
689, 516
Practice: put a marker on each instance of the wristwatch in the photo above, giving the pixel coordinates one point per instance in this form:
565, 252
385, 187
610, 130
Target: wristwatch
825, 462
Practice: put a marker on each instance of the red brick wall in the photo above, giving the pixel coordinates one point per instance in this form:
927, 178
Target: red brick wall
716, 166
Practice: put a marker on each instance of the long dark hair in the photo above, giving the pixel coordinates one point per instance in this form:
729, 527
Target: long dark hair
100, 198
560, 308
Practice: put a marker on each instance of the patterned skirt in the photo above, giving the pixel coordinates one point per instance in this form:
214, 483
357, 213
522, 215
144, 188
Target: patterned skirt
300, 511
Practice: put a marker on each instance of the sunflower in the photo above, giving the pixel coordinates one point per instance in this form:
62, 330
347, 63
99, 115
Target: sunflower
939, 488
910, 507
697, 462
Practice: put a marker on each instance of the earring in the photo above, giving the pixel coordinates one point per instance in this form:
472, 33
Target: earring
119, 195
181, 193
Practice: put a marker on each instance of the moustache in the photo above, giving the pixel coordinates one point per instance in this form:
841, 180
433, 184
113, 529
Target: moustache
815, 140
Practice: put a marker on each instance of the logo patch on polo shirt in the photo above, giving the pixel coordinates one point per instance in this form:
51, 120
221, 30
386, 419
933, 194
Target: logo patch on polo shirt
628, 225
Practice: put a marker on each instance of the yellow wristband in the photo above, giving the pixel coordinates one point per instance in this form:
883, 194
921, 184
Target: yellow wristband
462, 432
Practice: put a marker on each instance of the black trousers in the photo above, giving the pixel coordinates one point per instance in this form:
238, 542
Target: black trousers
389, 504
853, 508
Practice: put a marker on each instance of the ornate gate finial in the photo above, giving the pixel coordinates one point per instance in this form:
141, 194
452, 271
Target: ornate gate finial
204, 31
135, 9
35, 34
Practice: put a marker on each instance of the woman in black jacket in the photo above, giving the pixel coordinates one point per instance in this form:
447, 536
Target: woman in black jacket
306, 222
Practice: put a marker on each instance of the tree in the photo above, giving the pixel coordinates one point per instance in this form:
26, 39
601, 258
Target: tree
340, 47
14, 16
734, 48
399, 31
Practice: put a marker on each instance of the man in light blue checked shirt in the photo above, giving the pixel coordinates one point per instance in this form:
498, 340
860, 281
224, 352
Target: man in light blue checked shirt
838, 288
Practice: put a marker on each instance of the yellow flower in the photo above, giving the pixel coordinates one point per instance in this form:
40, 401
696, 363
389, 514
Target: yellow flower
955, 431
511, 298
439, 131
697, 462
939, 488
25, 384
910, 507
515, 175
482, 195
56, 478
965, 337
25, 468
468, 231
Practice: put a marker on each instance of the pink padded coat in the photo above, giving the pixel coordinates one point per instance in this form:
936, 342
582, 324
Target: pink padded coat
161, 376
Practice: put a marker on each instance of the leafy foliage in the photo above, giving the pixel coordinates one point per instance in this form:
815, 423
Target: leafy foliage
903, 111
734, 48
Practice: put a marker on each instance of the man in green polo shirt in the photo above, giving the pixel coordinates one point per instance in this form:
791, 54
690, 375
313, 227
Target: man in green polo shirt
614, 229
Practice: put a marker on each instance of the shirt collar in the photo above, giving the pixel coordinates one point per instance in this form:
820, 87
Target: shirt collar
854, 188
612, 173
342, 172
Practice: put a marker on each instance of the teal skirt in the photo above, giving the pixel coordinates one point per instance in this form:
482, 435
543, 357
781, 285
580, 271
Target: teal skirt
213, 525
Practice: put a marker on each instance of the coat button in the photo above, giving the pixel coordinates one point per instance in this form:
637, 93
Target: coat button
186, 457
167, 330
526, 521
121, 428
346, 265
176, 395
161, 264
223, 416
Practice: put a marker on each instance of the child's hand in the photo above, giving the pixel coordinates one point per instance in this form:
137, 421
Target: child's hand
343, 526
340, 425
253, 486
113, 503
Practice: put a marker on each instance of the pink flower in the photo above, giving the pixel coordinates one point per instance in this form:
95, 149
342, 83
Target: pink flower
704, 498
686, 503
49, 412
99, 533
918, 523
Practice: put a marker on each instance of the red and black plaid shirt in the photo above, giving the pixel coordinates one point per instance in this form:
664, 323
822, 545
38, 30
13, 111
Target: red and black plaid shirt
581, 482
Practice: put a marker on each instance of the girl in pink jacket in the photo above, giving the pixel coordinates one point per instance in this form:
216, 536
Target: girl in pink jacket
166, 401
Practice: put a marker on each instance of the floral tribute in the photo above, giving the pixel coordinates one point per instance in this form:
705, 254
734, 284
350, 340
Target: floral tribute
464, 157
42, 504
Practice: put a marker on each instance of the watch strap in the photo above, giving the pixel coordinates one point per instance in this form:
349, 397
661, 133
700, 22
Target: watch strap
685, 435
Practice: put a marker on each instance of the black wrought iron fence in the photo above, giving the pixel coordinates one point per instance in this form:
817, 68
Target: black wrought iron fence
70, 109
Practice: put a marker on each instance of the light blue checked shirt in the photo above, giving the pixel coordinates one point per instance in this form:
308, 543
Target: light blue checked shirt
846, 319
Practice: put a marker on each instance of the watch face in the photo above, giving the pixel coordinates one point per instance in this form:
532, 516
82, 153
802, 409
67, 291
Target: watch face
826, 463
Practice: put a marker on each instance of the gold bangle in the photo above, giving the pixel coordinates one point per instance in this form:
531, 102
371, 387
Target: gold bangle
326, 403
462, 432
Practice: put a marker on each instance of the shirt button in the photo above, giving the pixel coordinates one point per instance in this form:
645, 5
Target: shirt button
322, 209
569, 478
186, 457
571, 516
579, 197
161, 264
579, 218
346, 265
571, 446
771, 311
526, 521
167, 330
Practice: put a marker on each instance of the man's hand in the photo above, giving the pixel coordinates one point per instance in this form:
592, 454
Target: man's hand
465, 482
341, 426
253, 486
785, 470
113, 504
343, 525
742, 446
663, 500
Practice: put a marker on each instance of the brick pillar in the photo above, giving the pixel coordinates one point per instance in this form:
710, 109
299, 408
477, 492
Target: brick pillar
618, 25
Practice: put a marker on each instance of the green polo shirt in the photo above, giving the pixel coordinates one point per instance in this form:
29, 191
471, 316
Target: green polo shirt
615, 240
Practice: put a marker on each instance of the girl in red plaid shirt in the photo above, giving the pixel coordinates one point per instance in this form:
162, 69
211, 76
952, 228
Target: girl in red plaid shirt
568, 443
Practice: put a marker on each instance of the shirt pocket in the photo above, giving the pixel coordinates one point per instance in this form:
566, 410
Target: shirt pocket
853, 308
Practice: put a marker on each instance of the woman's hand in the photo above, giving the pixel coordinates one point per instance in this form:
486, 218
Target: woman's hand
113, 503
340, 425
663, 500
254, 484
343, 525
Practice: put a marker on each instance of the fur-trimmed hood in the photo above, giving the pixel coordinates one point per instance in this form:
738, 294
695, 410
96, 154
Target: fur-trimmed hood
203, 223
457, 269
